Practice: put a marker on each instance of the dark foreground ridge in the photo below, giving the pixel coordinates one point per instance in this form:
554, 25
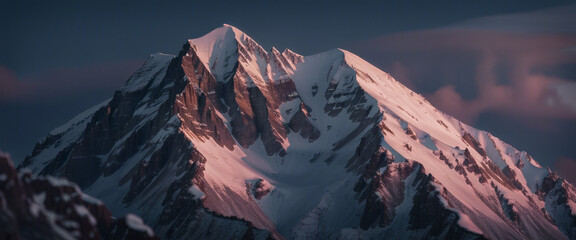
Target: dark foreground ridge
44, 207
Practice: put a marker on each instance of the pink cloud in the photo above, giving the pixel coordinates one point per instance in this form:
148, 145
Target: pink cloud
10, 87
448, 100
64, 82
525, 93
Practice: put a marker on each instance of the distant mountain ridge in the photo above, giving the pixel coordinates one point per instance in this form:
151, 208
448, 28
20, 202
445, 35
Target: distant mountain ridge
229, 141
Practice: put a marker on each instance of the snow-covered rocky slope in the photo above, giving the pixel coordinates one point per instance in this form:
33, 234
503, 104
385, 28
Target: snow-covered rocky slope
227, 140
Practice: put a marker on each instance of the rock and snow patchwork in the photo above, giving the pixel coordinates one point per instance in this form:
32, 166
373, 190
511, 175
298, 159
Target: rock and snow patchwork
44, 207
269, 144
136, 223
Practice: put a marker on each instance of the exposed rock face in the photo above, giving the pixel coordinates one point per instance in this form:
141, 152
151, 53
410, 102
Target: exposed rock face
384, 191
559, 196
259, 188
202, 95
300, 123
474, 144
45, 207
131, 227
271, 145
430, 211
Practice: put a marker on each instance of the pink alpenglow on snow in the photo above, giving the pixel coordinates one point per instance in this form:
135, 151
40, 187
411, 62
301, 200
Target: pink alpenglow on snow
270, 144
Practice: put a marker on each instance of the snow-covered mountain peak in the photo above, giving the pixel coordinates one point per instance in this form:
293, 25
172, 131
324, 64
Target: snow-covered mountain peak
226, 37
295, 58
327, 146
216, 49
222, 49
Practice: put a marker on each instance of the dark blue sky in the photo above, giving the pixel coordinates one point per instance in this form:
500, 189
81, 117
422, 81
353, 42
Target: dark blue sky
40, 35
59, 58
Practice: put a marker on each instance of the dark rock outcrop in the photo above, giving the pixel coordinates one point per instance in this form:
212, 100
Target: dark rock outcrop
474, 143
383, 191
44, 207
429, 212
557, 193
300, 122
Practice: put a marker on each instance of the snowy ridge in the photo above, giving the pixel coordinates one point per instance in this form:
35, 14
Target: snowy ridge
154, 64
66, 134
280, 145
79, 119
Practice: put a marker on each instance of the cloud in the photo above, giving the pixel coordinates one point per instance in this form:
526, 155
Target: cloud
10, 88
566, 168
566, 92
493, 64
63, 83
552, 20
513, 75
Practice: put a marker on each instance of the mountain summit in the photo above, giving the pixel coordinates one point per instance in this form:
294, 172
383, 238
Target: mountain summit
229, 141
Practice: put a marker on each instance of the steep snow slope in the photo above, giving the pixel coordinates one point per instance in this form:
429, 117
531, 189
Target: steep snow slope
276, 144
